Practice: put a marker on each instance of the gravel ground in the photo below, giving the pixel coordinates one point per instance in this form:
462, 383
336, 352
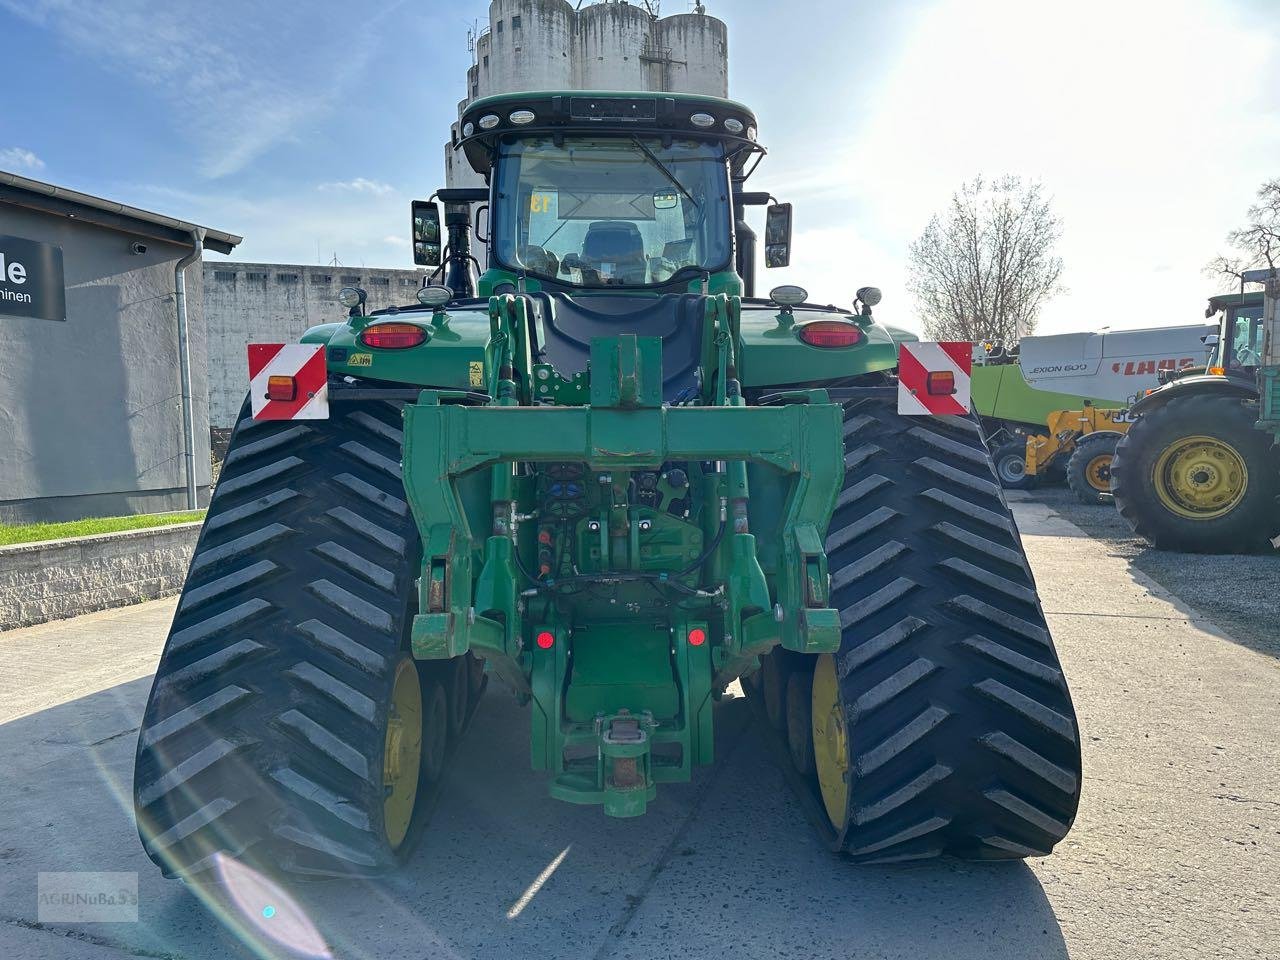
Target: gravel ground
1239, 594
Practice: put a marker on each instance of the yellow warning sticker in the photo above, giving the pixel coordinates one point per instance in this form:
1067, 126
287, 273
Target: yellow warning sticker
475, 373
361, 360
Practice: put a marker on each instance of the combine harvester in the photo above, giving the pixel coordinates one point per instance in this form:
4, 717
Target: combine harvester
1200, 470
1060, 403
612, 476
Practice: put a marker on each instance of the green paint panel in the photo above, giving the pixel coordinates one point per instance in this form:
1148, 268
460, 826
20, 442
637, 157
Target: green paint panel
1001, 392
622, 666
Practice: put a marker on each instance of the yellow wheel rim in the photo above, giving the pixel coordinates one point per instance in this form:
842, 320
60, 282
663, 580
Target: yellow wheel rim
1200, 478
1098, 472
830, 741
402, 754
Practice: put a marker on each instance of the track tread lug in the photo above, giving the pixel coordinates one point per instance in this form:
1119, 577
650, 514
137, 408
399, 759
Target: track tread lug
200, 710
312, 792
336, 690
1029, 760
328, 743
229, 583
1028, 812
891, 687
257, 540
263, 504
194, 765
903, 795
367, 491
345, 601
233, 485
358, 566
373, 459
387, 539
266, 444
1032, 709
237, 617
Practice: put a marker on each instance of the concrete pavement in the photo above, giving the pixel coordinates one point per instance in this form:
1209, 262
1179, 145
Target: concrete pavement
1176, 852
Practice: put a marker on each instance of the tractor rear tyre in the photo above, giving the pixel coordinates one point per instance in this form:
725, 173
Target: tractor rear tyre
1196, 475
1089, 468
288, 725
1011, 466
944, 723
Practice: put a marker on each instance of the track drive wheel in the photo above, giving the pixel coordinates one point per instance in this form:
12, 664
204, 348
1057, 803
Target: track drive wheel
1089, 468
773, 687
1196, 475
943, 724
288, 726
1011, 466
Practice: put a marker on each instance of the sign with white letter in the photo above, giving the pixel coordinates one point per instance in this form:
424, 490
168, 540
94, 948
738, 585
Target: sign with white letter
31, 283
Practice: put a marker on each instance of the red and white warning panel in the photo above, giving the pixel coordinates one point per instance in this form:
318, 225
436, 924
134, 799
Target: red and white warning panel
288, 381
934, 378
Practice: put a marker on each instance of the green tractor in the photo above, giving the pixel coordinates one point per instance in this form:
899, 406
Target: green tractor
1199, 469
608, 477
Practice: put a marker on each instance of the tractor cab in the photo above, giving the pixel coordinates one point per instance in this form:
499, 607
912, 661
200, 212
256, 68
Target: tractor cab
605, 191
1239, 348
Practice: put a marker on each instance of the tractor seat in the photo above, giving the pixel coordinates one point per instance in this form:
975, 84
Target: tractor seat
619, 243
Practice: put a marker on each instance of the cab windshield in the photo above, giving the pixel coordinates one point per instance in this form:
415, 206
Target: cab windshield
1243, 341
612, 211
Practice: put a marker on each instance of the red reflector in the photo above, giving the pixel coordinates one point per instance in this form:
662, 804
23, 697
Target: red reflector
697, 637
829, 333
546, 639
281, 388
393, 336
941, 383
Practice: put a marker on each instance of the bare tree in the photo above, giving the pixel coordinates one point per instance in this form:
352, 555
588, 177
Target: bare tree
1257, 244
983, 269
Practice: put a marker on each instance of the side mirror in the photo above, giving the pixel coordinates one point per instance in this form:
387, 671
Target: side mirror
777, 235
426, 233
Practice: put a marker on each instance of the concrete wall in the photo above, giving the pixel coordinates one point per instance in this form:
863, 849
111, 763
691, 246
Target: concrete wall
275, 303
90, 413
65, 578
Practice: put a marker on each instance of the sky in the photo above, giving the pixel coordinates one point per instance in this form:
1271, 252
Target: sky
308, 128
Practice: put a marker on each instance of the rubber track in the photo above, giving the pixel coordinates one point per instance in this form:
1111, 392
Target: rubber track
964, 739
264, 734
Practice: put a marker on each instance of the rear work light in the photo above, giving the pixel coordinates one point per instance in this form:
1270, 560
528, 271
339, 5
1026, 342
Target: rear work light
393, 336
941, 383
282, 388
829, 333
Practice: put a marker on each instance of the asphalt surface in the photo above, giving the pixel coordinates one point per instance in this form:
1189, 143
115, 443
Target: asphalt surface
1175, 854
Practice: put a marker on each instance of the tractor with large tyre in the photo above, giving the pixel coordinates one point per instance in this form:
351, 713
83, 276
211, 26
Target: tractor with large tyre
609, 478
1199, 469
1044, 402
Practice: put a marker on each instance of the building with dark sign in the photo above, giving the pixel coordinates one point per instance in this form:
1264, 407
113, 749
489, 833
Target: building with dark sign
103, 379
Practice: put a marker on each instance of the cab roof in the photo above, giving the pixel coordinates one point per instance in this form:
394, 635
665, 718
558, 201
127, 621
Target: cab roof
601, 111
1224, 301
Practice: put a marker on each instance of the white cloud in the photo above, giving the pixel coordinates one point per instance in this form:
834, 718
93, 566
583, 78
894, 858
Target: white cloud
1150, 144
221, 68
358, 185
19, 158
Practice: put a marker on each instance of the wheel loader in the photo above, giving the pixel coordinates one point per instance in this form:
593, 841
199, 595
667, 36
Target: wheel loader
1199, 469
608, 477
